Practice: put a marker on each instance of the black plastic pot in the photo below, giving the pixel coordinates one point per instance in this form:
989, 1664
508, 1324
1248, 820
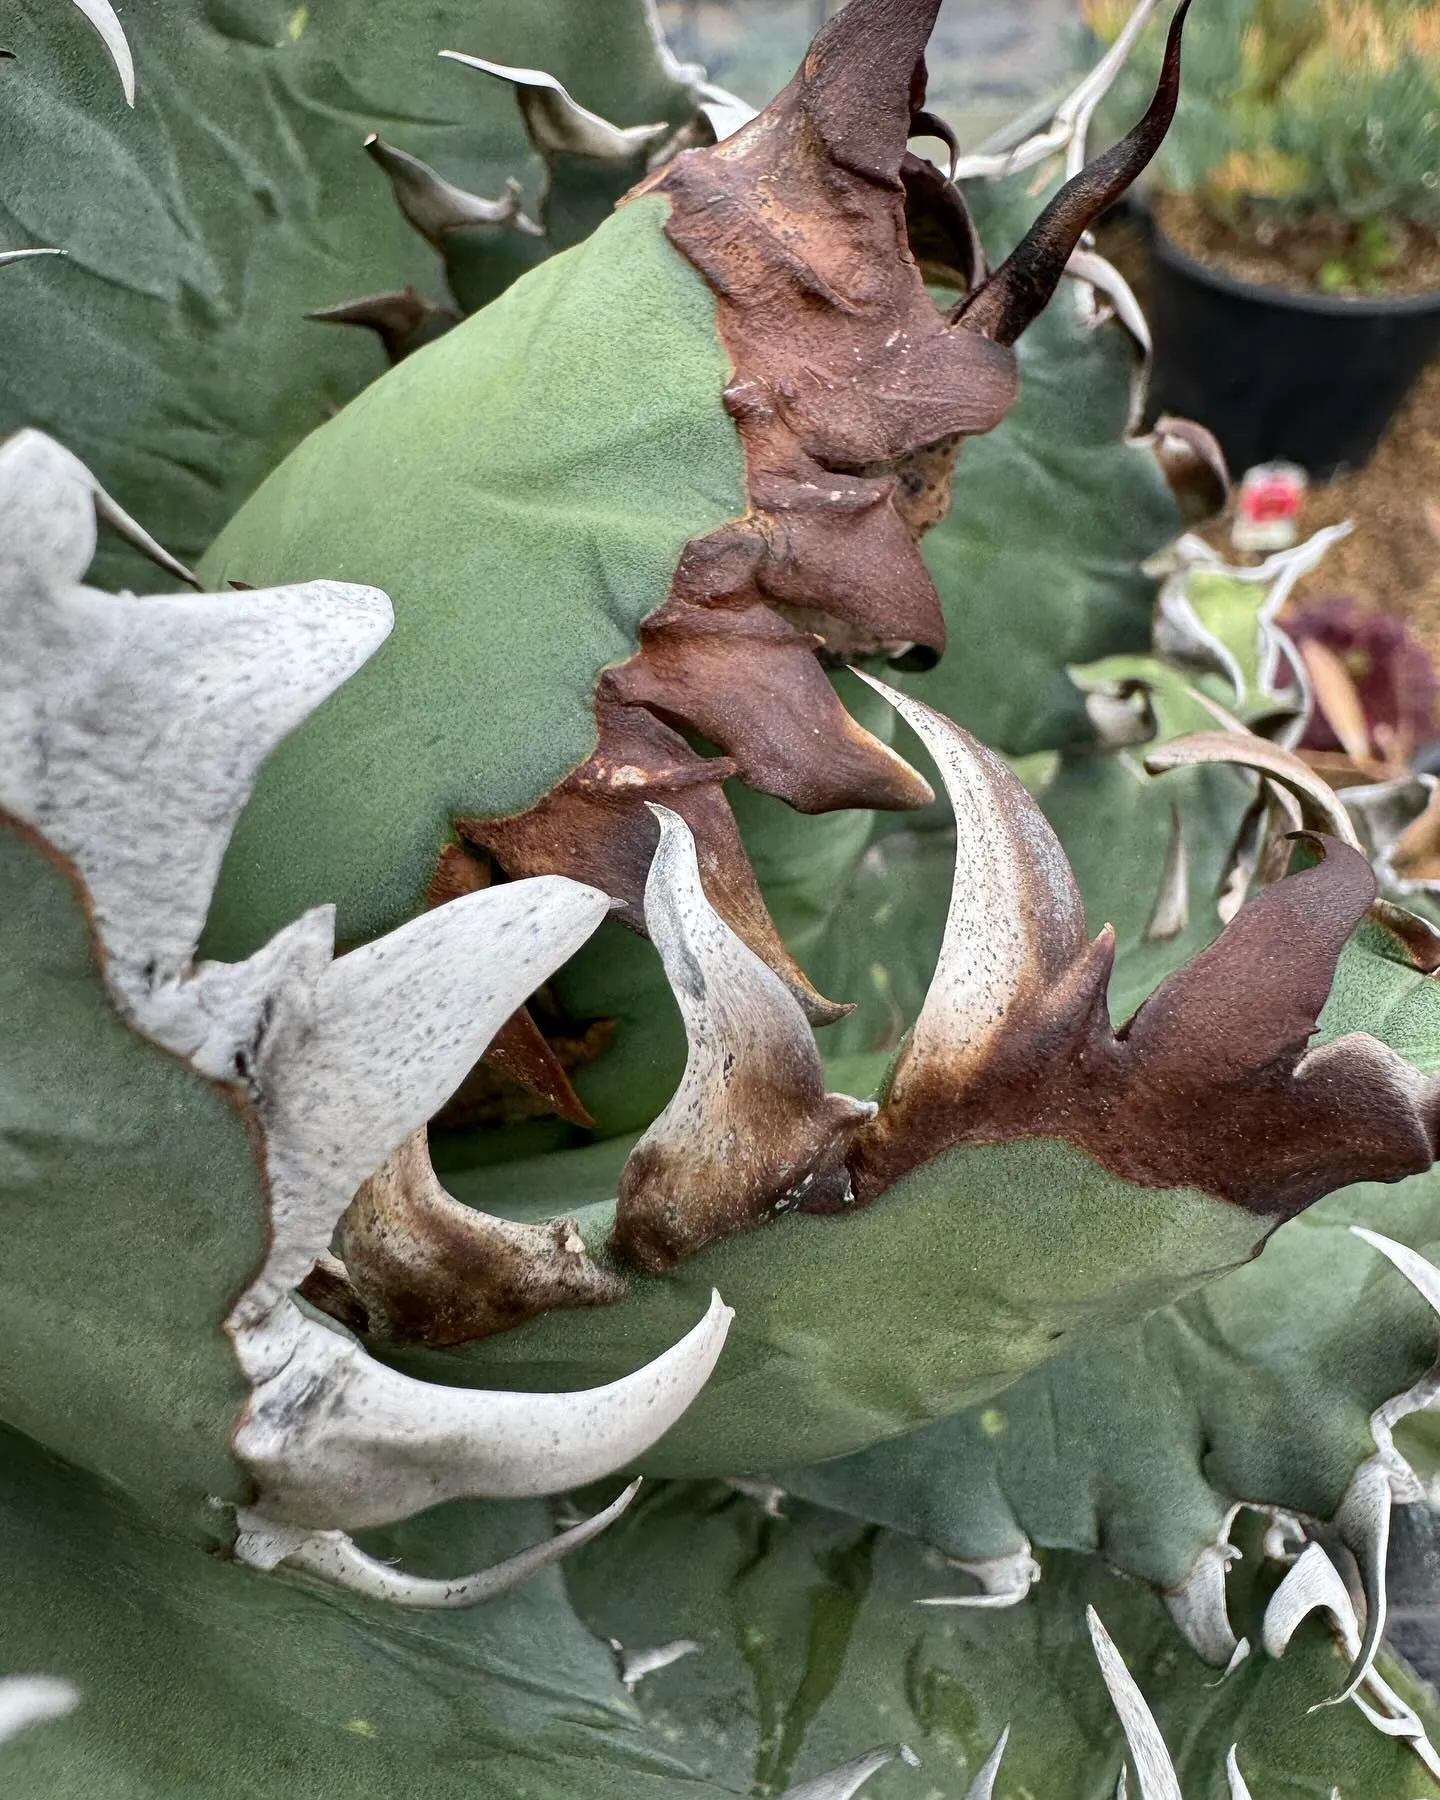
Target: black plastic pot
1304, 378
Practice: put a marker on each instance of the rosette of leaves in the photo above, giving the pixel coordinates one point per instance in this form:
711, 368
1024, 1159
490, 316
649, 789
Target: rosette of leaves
1028, 1170
242, 1101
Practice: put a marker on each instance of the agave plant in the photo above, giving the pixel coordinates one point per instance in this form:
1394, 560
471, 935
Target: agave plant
413, 1107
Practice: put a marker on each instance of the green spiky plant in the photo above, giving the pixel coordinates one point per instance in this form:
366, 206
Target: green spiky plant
551, 622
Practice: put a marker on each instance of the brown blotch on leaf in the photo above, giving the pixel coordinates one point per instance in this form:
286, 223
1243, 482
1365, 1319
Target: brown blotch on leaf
1210, 1085
815, 228
429, 1270
751, 1131
595, 827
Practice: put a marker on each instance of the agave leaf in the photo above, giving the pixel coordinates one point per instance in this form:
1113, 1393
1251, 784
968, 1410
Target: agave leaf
169, 347
1232, 1395
202, 1676
816, 1648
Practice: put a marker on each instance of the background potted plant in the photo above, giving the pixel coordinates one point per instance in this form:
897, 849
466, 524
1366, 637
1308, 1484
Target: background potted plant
1295, 212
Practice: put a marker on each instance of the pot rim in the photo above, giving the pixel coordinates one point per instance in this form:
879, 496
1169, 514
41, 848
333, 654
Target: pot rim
1264, 293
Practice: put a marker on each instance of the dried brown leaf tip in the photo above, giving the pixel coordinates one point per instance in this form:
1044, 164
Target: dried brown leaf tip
851, 394
1211, 1085
751, 1132
852, 390
425, 1269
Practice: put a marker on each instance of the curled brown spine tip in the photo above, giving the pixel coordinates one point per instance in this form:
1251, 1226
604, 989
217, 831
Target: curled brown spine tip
751, 1131
428, 1270
1211, 1085
1023, 285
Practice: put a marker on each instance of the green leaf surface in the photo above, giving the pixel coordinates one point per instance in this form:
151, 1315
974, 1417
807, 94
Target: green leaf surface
132, 1212
522, 490
853, 1328
1257, 1388
815, 1651
168, 348
199, 1677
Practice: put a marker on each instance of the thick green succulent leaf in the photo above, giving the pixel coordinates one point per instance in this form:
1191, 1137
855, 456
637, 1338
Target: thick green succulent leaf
134, 1209
169, 346
573, 522
1049, 1244
198, 1676
1258, 1388
813, 1649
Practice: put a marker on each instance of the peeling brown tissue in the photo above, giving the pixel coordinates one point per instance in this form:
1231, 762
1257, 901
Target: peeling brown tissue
852, 393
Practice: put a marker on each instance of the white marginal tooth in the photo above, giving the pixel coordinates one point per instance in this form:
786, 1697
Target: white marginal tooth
1238, 1788
1363, 1525
1198, 1605
336, 1558
1313, 1584
218, 1017
555, 122
335, 1440
390, 1032
983, 1786
1016, 922
1424, 1395
1004, 1580
434, 206
131, 730
111, 514
13, 256
842, 1783
1422, 1275
1320, 803
1153, 1767
633, 1666
750, 1131
27, 1700
102, 16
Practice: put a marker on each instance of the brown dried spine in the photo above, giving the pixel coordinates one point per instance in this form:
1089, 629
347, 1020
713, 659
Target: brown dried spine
429, 1270
1211, 1085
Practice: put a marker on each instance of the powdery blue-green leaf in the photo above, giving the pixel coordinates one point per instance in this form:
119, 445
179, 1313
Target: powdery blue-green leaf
199, 1676
506, 608
169, 346
815, 1648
